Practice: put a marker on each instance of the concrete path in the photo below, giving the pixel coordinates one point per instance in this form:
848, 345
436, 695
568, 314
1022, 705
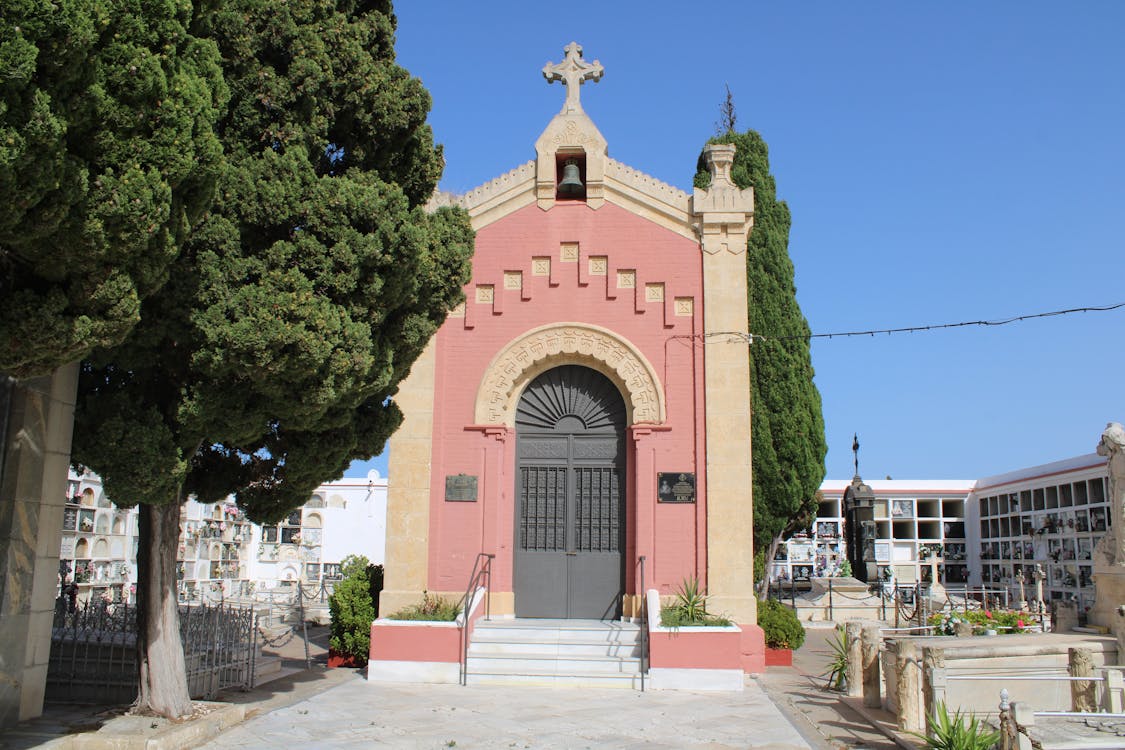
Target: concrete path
784, 709
820, 715
358, 714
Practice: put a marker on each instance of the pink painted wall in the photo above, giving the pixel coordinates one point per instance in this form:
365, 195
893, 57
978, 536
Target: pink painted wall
420, 641
672, 537
753, 649
701, 648
415, 643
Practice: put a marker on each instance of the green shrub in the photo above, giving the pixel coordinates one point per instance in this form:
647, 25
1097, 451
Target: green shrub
352, 607
690, 609
431, 609
783, 629
952, 733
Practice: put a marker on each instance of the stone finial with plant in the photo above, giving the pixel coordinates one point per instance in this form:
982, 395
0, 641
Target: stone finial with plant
352, 608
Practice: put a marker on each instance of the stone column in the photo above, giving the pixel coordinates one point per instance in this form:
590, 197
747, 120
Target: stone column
908, 674
854, 639
1082, 692
33, 471
724, 213
872, 682
933, 686
408, 488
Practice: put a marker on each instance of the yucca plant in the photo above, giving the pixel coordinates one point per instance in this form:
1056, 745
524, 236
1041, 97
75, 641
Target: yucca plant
952, 733
690, 608
837, 673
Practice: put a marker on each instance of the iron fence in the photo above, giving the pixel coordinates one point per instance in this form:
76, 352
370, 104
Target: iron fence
94, 651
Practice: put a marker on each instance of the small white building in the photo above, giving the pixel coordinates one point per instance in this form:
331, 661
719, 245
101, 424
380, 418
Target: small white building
344, 517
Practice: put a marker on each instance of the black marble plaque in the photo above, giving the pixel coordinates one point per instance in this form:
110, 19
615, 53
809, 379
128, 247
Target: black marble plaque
675, 487
460, 488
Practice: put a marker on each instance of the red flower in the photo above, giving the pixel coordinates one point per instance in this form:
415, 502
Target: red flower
1019, 623
988, 613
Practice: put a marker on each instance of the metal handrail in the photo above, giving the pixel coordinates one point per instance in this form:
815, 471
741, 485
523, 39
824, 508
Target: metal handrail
644, 625
482, 572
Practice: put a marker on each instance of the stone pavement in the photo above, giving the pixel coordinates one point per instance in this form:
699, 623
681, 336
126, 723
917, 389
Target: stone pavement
359, 714
820, 715
784, 709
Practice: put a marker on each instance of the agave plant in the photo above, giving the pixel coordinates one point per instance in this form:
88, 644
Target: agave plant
952, 733
837, 673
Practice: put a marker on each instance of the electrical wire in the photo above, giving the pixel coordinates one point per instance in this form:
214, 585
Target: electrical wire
751, 337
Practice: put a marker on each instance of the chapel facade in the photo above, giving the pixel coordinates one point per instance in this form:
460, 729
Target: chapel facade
585, 415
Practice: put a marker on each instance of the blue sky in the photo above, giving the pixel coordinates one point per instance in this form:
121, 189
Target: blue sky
943, 162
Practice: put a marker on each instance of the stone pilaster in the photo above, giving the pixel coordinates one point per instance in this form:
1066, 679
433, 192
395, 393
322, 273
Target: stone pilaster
725, 214
33, 470
408, 488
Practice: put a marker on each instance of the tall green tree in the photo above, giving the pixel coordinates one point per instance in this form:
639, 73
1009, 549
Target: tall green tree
107, 154
787, 441
271, 358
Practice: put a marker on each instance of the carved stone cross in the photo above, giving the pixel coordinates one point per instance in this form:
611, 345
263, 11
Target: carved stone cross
573, 71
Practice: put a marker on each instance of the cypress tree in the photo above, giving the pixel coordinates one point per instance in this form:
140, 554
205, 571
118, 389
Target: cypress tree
107, 154
787, 441
270, 360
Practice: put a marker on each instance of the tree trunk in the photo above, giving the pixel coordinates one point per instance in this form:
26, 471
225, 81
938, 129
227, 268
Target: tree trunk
763, 585
160, 653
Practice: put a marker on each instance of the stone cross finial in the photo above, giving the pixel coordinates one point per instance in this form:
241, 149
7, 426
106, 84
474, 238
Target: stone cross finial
573, 71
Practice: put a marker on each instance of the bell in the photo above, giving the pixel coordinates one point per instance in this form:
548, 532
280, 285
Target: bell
570, 186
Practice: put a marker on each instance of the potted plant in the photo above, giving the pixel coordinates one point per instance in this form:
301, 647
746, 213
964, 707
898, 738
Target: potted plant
352, 610
783, 632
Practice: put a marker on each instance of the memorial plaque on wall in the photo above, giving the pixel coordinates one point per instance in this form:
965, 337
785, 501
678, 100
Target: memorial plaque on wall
675, 487
460, 488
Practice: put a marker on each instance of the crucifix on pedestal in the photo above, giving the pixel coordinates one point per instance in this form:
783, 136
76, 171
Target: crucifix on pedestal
1023, 598
573, 71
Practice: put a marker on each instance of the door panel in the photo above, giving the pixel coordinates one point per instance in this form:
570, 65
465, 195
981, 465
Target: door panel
570, 511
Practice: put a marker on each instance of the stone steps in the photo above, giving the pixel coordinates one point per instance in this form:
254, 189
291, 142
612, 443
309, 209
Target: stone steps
576, 653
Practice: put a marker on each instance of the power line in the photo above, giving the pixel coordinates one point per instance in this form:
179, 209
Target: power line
749, 338
963, 324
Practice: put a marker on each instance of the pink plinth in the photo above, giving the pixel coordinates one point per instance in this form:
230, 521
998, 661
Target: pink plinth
695, 648
419, 640
753, 649
415, 642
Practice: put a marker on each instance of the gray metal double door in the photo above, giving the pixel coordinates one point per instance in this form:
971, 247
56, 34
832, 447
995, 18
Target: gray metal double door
570, 514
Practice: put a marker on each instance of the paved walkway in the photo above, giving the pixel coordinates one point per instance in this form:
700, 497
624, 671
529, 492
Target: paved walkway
784, 709
824, 720
358, 714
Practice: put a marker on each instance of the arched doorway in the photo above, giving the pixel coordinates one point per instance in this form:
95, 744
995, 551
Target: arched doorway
570, 496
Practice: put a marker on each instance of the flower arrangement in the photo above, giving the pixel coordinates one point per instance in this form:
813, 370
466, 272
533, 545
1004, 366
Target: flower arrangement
1008, 621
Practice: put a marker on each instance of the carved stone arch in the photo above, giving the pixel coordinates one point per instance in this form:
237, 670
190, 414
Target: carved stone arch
550, 346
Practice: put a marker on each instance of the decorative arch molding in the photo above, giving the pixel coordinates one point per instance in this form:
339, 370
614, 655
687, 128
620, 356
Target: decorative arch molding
543, 348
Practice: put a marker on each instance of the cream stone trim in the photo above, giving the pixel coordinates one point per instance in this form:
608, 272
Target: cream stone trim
621, 185
557, 344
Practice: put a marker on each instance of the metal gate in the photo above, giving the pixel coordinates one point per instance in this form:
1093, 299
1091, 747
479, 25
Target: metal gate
94, 651
570, 523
